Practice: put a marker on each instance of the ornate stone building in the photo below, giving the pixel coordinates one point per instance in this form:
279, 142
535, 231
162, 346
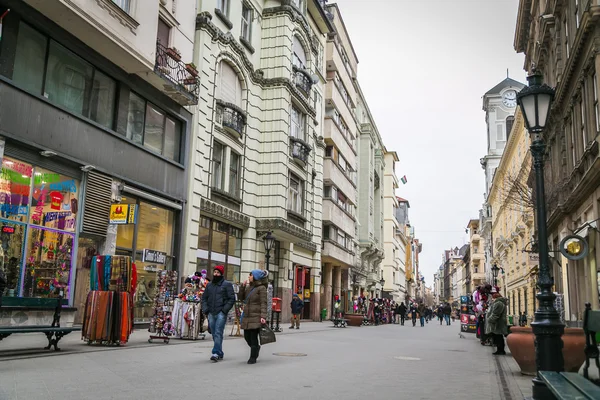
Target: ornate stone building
561, 39
257, 155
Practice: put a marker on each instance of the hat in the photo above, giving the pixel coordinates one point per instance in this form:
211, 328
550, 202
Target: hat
258, 274
494, 290
295, 295
220, 268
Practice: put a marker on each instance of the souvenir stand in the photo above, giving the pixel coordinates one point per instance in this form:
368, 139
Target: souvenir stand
188, 318
161, 324
108, 315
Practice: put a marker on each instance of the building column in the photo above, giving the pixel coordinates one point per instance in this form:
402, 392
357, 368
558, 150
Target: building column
327, 286
337, 281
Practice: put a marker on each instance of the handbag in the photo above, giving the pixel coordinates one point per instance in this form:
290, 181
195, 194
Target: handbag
266, 335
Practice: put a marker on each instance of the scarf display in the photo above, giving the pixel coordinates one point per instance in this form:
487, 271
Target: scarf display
108, 315
162, 322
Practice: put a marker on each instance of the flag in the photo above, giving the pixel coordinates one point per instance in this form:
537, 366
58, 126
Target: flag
404, 180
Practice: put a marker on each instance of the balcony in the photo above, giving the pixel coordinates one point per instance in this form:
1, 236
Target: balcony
476, 237
333, 252
231, 118
303, 80
179, 80
333, 173
335, 214
300, 151
477, 256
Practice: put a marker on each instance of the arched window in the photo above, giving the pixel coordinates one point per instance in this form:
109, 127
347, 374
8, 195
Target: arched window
229, 85
510, 120
299, 54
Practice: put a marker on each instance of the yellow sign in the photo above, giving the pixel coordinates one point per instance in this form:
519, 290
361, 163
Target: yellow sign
123, 214
306, 293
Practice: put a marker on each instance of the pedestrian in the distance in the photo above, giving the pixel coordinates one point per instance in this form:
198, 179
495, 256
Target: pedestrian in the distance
401, 312
413, 313
447, 312
440, 313
422, 310
523, 319
297, 305
495, 321
217, 300
254, 293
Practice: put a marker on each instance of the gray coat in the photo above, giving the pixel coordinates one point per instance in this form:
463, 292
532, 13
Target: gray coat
495, 319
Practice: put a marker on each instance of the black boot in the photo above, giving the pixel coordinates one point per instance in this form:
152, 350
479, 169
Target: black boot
253, 355
257, 351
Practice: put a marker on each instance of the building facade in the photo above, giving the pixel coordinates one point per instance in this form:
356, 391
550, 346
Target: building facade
257, 152
499, 104
477, 255
96, 111
561, 40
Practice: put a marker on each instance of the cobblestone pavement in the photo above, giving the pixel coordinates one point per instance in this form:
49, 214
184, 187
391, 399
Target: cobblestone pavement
315, 362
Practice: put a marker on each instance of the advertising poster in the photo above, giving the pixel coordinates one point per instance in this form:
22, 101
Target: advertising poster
467, 315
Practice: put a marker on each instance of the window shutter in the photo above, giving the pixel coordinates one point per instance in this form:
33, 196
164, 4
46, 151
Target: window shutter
299, 50
98, 194
230, 86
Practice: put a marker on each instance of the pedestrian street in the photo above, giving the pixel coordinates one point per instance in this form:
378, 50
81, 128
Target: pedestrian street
314, 362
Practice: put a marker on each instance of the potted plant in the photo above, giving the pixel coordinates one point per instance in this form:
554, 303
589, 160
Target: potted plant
190, 80
191, 68
174, 53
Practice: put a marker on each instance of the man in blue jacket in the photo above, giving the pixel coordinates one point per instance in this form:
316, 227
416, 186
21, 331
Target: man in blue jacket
297, 305
217, 300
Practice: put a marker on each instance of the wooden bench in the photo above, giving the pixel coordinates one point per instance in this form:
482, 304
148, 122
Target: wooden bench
53, 332
571, 385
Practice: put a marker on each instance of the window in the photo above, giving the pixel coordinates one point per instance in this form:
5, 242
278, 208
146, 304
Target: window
234, 168
230, 87
510, 120
164, 33
499, 133
329, 151
69, 81
296, 193
566, 23
297, 124
223, 5
149, 126
299, 56
246, 22
576, 12
123, 4
217, 161
596, 110
583, 133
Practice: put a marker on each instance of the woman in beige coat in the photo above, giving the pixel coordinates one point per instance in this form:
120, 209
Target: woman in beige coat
253, 294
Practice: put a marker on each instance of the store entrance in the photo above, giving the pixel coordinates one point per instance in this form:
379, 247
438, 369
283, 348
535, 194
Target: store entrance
302, 288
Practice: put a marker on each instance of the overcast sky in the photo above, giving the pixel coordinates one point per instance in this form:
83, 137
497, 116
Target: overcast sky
424, 67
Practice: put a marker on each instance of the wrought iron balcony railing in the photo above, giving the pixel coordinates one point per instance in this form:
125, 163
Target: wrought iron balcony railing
182, 77
302, 80
300, 150
231, 118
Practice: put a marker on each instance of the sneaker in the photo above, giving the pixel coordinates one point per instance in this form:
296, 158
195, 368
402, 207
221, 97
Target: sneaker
292, 327
499, 353
214, 358
220, 358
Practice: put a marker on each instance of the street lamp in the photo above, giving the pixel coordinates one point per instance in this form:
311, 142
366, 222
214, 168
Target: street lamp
495, 271
382, 282
269, 242
535, 101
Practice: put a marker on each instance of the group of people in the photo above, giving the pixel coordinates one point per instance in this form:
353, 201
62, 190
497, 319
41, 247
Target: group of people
444, 313
491, 309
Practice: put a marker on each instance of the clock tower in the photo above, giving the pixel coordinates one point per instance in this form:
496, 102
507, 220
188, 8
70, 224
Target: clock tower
499, 104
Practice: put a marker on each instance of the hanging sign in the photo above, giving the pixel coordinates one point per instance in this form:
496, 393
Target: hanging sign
121, 214
154, 256
8, 229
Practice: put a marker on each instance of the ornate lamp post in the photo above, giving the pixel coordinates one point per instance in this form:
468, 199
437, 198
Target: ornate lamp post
535, 101
495, 271
269, 242
382, 282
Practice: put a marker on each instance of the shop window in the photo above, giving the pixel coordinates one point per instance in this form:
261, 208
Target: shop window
219, 244
219, 238
38, 210
30, 59
217, 161
151, 127
204, 234
126, 232
155, 228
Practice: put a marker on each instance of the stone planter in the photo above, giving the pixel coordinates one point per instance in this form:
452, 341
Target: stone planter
522, 347
354, 319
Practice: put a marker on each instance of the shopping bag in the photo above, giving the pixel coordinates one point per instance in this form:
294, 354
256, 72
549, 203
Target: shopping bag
266, 335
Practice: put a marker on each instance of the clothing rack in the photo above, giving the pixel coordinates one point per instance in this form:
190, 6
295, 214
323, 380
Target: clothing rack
188, 320
161, 323
108, 315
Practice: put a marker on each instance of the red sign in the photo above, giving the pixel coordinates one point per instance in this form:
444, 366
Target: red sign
8, 229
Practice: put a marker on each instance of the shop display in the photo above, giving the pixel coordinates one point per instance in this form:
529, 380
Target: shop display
161, 322
108, 316
187, 315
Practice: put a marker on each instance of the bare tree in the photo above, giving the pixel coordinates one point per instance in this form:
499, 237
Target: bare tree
515, 192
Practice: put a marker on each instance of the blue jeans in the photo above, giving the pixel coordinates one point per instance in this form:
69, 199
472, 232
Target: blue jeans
217, 326
447, 318
422, 321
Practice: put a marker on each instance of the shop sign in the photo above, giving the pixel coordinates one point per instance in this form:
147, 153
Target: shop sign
123, 214
151, 268
154, 256
8, 229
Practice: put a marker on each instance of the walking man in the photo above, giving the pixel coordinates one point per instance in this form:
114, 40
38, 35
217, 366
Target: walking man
401, 311
413, 313
447, 312
495, 323
422, 310
297, 305
217, 300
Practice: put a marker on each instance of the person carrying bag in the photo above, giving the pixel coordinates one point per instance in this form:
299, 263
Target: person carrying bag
254, 315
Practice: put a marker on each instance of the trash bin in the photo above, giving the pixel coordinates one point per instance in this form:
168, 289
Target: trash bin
323, 314
510, 320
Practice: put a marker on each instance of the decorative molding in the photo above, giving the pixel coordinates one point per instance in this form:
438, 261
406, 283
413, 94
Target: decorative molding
269, 224
294, 14
307, 245
204, 22
119, 14
223, 18
219, 211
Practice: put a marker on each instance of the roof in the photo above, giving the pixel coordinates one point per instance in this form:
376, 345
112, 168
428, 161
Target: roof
401, 200
505, 83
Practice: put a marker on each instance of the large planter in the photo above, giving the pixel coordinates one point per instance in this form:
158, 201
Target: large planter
354, 319
522, 347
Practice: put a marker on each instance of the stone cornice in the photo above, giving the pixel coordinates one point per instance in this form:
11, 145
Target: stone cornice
307, 245
269, 224
219, 211
204, 22
292, 12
